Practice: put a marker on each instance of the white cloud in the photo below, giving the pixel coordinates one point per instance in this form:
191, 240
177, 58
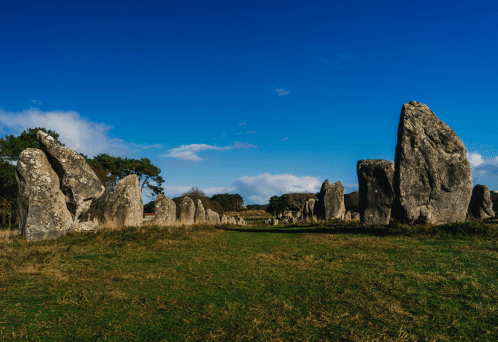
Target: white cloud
248, 132
74, 131
242, 124
284, 139
259, 189
281, 92
36, 102
188, 152
475, 159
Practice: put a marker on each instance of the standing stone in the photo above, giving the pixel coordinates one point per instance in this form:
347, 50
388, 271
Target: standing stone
480, 202
273, 221
347, 216
212, 217
352, 201
164, 210
125, 205
331, 201
200, 214
311, 209
432, 177
231, 220
375, 180
78, 182
187, 211
494, 199
43, 213
224, 219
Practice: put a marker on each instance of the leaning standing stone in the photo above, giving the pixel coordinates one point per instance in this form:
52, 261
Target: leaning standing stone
480, 202
164, 210
125, 205
78, 182
376, 195
212, 217
432, 177
200, 214
43, 213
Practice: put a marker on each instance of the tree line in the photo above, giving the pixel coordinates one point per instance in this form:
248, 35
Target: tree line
109, 169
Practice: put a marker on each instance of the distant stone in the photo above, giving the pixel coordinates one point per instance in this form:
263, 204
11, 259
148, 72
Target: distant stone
224, 219
241, 222
212, 217
200, 214
375, 180
273, 221
432, 177
494, 198
232, 220
347, 216
87, 226
355, 216
78, 182
125, 205
480, 203
43, 213
164, 210
352, 201
331, 201
187, 210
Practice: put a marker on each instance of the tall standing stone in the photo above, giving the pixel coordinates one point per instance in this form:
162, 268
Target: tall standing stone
125, 205
164, 210
376, 194
212, 217
432, 177
331, 201
187, 210
200, 214
78, 182
480, 202
43, 213
352, 201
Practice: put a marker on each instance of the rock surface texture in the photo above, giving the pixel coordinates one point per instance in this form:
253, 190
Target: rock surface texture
352, 201
43, 213
125, 205
331, 201
376, 194
480, 202
212, 217
164, 210
187, 210
494, 199
78, 182
432, 177
200, 213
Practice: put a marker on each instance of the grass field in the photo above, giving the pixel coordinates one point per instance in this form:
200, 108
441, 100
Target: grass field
333, 281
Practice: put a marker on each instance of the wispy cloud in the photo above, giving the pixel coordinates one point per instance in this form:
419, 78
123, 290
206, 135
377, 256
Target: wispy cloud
484, 170
248, 132
242, 124
284, 139
282, 92
189, 152
36, 102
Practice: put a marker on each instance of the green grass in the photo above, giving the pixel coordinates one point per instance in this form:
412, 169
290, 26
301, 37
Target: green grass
331, 281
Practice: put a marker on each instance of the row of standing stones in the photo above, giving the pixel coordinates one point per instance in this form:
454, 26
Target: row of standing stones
430, 180
57, 187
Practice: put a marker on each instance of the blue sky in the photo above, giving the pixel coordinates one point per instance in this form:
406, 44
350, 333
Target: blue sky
258, 98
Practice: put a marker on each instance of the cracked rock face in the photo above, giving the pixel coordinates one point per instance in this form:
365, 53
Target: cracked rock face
213, 217
187, 210
164, 210
43, 213
432, 177
480, 202
125, 205
376, 194
78, 182
331, 201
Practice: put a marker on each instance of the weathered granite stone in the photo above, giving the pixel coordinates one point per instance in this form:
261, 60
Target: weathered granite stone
432, 177
331, 201
355, 216
200, 214
285, 221
78, 182
352, 201
266, 221
375, 180
273, 221
125, 205
232, 220
187, 210
494, 198
311, 210
43, 213
480, 202
224, 219
87, 226
164, 210
347, 216
212, 217
240, 221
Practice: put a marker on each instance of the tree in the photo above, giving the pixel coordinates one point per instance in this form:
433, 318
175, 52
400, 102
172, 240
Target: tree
149, 207
229, 202
277, 205
297, 200
197, 194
